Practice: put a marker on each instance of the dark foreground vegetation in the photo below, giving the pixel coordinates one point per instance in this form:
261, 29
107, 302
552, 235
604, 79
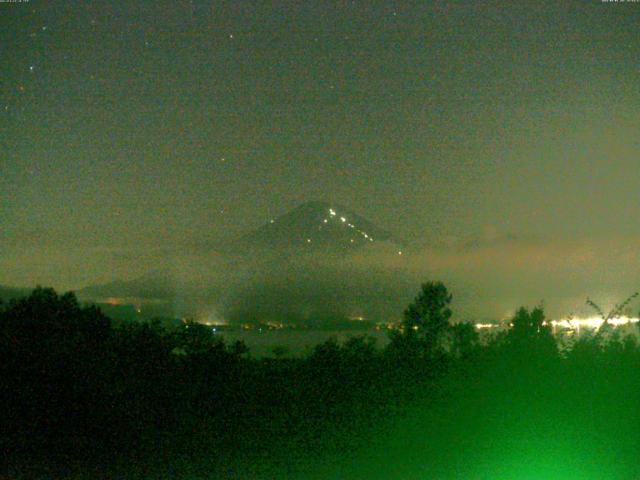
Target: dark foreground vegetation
86, 397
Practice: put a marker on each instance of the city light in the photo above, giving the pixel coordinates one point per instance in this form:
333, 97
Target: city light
589, 323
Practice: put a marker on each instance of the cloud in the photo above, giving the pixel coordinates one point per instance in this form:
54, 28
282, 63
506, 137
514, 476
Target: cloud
492, 277
489, 276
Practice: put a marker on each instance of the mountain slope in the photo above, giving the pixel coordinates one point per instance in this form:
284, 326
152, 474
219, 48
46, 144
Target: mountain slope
311, 227
301, 265
152, 286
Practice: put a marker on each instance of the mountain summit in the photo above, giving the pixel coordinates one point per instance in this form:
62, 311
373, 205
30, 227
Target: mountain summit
314, 226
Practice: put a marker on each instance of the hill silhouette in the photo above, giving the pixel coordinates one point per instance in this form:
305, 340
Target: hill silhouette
312, 227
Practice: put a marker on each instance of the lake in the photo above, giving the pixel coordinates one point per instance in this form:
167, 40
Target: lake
296, 342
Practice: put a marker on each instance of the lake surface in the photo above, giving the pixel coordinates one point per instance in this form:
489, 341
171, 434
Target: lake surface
296, 342
302, 342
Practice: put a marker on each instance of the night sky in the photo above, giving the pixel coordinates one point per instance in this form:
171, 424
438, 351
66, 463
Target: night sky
500, 139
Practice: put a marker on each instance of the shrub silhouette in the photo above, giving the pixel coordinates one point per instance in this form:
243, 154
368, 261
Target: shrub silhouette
131, 400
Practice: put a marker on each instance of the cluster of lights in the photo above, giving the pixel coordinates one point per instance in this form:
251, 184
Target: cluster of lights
589, 323
332, 213
592, 322
484, 326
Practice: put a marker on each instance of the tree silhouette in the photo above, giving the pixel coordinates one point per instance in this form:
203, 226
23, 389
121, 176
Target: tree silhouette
425, 323
280, 351
47, 322
197, 339
530, 333
464, 338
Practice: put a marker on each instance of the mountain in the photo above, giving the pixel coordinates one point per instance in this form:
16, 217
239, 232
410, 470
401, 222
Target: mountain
151, 286
152, 295
312, 227
296, 266
320, 261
